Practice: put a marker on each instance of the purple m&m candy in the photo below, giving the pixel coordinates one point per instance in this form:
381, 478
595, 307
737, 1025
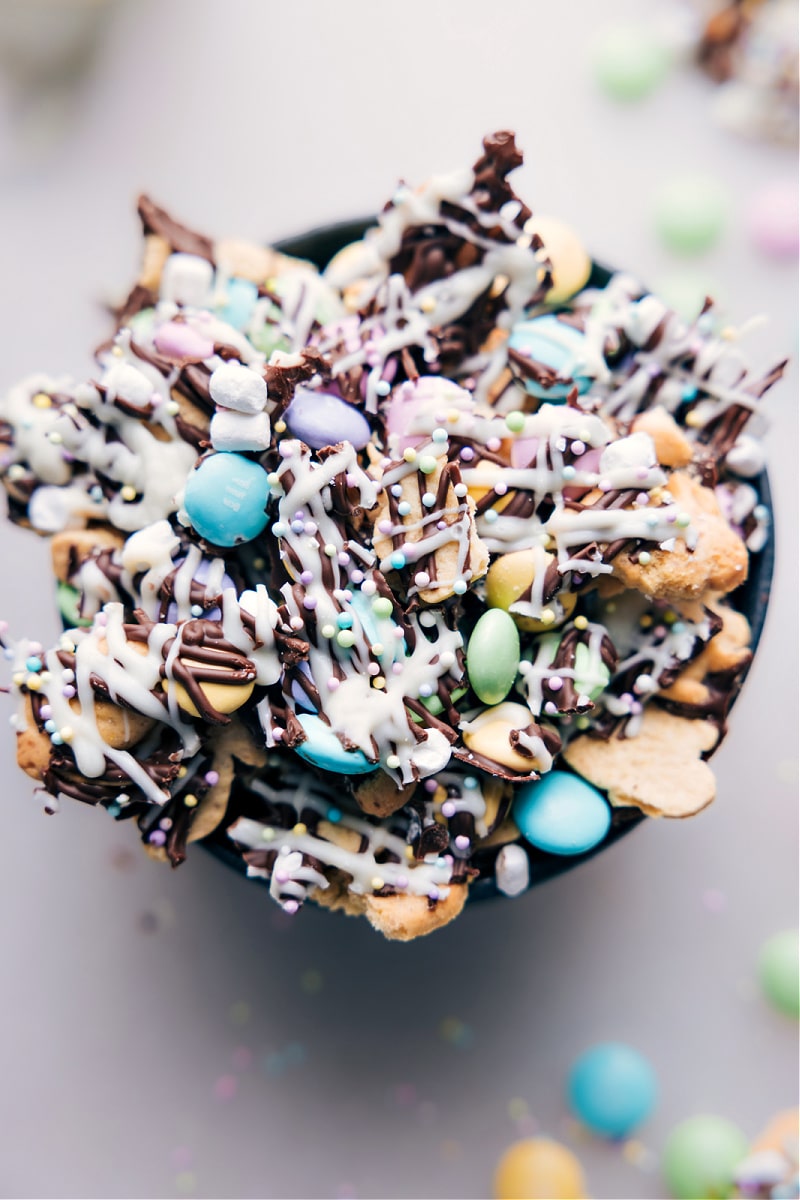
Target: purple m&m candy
323, 419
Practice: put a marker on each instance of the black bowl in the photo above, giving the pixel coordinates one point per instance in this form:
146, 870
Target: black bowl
319, 246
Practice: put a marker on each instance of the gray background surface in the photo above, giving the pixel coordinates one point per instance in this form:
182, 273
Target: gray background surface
172, 1033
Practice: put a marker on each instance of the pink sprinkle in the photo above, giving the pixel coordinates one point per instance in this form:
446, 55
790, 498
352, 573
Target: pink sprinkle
310, 603
181, 341
448, 809
642, 473
467, 453
277, 734
430, 785
45, 712
333, 683
68, 692
493, 444
157, 838
225, 1087
555, 683
212, 777
462, 842
401, 883
281, 877
35, 648
291, 907
343, 559
385, 527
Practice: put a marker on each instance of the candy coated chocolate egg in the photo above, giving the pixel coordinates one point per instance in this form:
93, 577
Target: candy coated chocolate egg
561, 814
772, 219
69, 601
183, 342
691, 213
323, 749
510, 576
630, 62
240, 300
224, 697
425, 401
226, 499
488, 735
322, 419
570, 263
554, 344
493, 656
779, 972
538, 1169
612, 1089
701, 1156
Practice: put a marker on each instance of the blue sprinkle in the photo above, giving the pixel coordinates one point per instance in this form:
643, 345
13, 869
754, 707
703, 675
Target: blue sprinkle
689, 392
761, 512
56, 739
679, 627
113, 810
344, 621
403, 508
398, 560
50, 727
279, 530
470, 782
334, 815
383, 388
460, 587
490, 516
569, 472
196, 610
33, 663
8, 653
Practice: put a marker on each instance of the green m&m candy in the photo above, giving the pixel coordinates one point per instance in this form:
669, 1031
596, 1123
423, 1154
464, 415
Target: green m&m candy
701, 1156
779, 972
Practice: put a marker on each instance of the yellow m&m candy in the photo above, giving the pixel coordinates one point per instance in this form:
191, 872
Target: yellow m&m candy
539, 1169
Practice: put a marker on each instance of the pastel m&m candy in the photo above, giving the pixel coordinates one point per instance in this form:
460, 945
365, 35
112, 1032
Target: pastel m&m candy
561, 814
226, 499
554, 350
701, 1156
493, 656
779, 972
323, 419
611, 1089
323, 749
538, 1169
690, 214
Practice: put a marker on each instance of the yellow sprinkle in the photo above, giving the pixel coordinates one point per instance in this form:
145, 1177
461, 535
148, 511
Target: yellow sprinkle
18, 678
270, 283
377, 649
34, 683
452, 415
428, 304
377, 883
182, 772
409, 851
299, 829
128, 492
117, 351
670, 617
267, 834
379, 681
581, 623
646, 621
727, 334
693, 419
67, 733
548, 616
42, 400
280, 427
410, 454
45, 676
190, 801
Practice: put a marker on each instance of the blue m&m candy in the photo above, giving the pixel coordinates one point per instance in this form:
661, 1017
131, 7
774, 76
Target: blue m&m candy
612, 1089
546, 341
240, 300
322, 748
226, 499
561, 814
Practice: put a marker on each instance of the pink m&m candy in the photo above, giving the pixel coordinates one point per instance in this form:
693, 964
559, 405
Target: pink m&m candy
178, 340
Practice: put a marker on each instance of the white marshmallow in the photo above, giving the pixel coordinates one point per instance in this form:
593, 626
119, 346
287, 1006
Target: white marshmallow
512, 870
746, 457
235, 386
239, 431
187, 279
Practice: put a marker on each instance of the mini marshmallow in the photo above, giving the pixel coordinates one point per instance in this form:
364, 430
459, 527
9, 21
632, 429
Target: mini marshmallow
187, 279
239, 431
512, 870
746, 457
235, 386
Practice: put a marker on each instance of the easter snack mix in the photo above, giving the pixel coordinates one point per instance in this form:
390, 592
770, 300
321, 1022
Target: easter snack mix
394, 578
